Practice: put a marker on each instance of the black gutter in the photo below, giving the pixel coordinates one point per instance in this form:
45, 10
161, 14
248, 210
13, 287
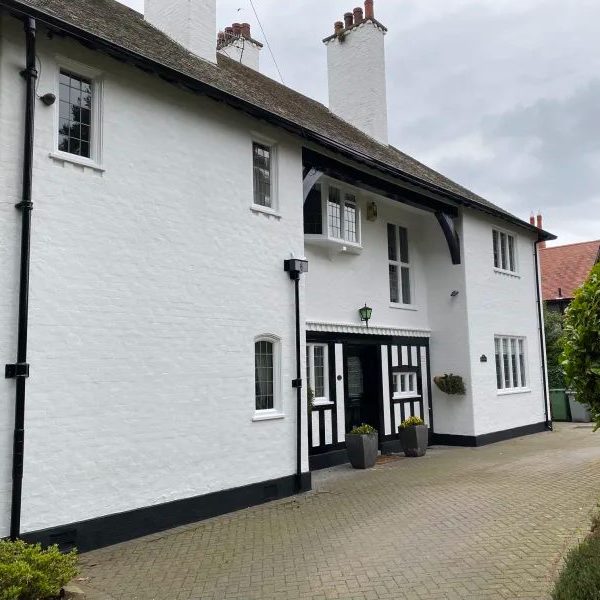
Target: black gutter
175, 76
20, 370
541, 330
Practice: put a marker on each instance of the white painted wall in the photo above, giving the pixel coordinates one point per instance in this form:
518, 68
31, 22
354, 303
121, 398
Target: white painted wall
501, 304
192, 23
243, 51
357, 84
149, 283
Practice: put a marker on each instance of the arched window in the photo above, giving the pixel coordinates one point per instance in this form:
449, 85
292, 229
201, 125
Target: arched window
266, 373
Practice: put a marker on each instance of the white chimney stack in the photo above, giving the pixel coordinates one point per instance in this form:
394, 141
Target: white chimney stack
237, 43
192, 23
356, 69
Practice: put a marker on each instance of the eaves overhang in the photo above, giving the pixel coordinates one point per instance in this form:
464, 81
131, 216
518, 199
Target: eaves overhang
176, 77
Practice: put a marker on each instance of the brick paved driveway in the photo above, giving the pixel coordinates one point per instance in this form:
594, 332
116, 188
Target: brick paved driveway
490, 522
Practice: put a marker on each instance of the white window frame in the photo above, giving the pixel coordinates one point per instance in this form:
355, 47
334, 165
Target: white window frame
399, 264
325, 238
412, 381
497, 250
277, 411
96, 144
520, 343
257, 138
310, 369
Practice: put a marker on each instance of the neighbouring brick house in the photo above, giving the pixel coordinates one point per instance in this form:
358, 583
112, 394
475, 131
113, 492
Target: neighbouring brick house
564, 269
170, 352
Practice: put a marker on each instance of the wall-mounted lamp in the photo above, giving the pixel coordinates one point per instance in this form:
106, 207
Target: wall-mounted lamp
48, 99
454, 293
365, 314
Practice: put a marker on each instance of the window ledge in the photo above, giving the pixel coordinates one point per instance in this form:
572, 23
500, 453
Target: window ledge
507, 273
514, 391
265, 210
64, 157
399, 306
267, 415
411, 397
341, 246
323, 403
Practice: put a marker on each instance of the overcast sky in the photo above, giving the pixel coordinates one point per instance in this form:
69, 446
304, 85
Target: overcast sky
503, 96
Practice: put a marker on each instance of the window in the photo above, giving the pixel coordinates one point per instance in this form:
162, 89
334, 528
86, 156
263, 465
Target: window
405, 385
505, 254
399, 265
317, 371
511, 371
262, 161
332, 216
75, 117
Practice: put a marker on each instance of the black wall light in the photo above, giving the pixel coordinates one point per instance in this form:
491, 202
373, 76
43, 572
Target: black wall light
48, 99
365, 314
454, 293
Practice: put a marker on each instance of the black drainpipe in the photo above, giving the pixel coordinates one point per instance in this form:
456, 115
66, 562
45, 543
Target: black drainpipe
295, 268
20, 370
541, 329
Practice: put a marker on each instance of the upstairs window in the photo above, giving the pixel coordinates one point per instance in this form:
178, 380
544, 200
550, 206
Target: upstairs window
505, 256
511, 372
75, 115
317, 371
332, 216
262, 165
399, 265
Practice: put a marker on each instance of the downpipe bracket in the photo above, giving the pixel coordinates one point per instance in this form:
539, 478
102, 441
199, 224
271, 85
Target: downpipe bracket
24, 205
16, 370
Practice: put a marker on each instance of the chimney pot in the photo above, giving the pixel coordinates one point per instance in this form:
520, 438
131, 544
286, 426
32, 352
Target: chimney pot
369, 10
348, 20
237, 29
338, 27
532, 219
358, 15
246, 30
539, 221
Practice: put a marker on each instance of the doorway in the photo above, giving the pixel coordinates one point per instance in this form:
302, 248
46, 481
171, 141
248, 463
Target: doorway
363, 385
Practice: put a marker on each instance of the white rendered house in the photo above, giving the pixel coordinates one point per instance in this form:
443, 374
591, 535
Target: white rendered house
158, 352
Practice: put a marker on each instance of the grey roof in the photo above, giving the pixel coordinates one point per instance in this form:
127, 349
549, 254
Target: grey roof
124, 29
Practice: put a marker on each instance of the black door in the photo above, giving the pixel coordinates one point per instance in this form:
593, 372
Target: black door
363, 386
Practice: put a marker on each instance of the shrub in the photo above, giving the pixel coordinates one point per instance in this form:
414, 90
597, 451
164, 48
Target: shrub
451, 384
581, 353
363, 429
580, 577
553, 331
29, 573
411, 422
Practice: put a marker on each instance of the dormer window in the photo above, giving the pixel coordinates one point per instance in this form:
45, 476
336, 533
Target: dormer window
332, 217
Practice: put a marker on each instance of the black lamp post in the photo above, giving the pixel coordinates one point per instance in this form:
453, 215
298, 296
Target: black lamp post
365, 314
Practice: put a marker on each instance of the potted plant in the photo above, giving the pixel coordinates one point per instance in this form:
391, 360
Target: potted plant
362, 444
414, 436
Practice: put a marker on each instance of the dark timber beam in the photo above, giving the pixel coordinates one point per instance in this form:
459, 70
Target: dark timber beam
447, 224
400, 192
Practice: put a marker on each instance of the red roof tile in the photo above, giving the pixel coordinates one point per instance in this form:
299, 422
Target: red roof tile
566, 268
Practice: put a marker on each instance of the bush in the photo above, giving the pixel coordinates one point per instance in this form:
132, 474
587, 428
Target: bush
580, 577
411, 422
581, 353
451, 384
363, 429
553, 331
29, 573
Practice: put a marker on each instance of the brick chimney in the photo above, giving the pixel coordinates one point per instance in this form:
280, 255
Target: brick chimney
237, 43
192, 23
356, 70
540, 225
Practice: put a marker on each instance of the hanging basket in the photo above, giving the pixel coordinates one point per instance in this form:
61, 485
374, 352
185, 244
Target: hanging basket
452, 385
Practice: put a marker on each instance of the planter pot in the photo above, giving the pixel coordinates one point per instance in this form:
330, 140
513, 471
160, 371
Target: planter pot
414, 440
579, 412
362, 450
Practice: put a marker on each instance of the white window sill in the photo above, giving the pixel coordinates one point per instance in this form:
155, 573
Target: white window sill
323, 403
341, 246
511, 392
406, 397
399, 306
267, 415
265, 210
507, 273
64, 157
